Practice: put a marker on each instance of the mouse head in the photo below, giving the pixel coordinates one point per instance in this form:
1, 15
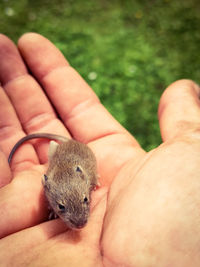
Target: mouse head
71, 202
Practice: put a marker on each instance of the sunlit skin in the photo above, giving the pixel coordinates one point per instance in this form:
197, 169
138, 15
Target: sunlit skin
147, 210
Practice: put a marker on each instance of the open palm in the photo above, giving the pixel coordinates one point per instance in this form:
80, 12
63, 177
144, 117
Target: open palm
150, 215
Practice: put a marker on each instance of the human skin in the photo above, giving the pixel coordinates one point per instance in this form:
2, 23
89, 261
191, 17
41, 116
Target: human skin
147, 212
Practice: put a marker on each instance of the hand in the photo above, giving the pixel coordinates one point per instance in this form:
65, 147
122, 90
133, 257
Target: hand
152, 214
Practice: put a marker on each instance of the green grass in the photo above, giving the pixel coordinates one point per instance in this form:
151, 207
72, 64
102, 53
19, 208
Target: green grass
128, 51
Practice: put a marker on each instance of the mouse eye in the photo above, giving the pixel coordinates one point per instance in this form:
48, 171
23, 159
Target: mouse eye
85, 200
78, 169
61, 207
45, 177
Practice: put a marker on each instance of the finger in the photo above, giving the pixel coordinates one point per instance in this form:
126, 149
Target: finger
179, 109
45, 231
22, 202
13, 60
32, 106
11, 131
78, 106
73, 98
10, 127
25, 241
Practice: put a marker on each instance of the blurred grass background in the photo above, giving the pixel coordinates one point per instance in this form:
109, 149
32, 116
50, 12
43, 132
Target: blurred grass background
128, 51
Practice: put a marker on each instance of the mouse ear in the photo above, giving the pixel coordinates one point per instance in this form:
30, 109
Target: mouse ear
44, 179
52, 148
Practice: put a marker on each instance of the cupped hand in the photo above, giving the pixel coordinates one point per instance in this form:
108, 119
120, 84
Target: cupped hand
150, 216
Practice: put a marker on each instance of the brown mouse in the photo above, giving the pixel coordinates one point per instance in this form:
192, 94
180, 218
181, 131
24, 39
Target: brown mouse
70, 178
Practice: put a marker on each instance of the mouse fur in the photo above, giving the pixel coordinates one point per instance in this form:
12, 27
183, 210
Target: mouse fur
70, 178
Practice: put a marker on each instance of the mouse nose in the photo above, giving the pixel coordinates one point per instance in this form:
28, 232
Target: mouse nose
80, 223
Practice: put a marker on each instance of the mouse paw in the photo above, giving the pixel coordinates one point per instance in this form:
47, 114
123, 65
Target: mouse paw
52, 215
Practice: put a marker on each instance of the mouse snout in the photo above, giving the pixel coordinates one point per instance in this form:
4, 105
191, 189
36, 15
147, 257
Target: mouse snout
80, 223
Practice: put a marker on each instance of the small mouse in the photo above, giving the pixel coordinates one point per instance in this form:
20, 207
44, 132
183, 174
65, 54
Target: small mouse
70, 178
